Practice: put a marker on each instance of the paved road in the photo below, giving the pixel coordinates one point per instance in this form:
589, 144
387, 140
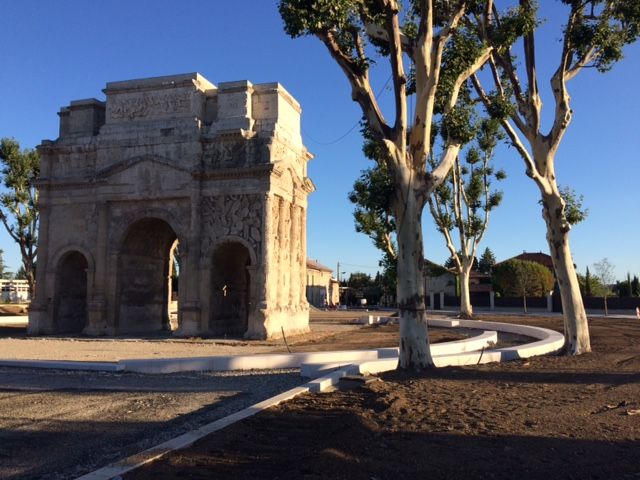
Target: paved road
62, 424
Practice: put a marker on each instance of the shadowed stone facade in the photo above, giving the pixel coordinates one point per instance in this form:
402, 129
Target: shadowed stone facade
218, 172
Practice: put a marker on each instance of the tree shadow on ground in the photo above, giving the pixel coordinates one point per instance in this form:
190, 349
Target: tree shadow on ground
343, 445
521, 376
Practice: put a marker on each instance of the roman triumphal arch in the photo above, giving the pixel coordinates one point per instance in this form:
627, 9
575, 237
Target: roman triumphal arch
174, 205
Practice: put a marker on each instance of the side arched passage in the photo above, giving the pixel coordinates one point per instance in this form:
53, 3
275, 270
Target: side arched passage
144, 277
70, 298
230, 286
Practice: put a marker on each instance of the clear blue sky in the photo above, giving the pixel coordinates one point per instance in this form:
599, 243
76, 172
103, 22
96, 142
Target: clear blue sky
55, 52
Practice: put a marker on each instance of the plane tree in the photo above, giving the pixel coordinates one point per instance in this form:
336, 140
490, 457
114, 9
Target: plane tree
19, 202
594, 35
461, 205
430, 55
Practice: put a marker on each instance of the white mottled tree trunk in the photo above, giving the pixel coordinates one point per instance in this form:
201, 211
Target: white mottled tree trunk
414, 345
466, 309
576, 328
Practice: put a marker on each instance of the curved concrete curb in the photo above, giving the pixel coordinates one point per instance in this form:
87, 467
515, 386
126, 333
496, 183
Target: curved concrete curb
187, 439
250, 362
313, 369
12, 320
549, 341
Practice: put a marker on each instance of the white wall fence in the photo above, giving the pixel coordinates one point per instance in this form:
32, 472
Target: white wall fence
14, 291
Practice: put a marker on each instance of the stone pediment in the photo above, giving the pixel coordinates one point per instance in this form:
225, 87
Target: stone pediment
157, 161
149, 176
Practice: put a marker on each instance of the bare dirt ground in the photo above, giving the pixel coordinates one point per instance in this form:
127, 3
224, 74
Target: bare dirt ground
547, 417
329, 331
14, 309
60, 424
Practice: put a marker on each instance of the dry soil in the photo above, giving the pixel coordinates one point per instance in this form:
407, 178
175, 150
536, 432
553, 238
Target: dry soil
548, 417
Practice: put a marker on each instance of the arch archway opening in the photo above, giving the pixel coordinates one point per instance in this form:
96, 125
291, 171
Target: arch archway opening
148, 273
230, 286
70, 297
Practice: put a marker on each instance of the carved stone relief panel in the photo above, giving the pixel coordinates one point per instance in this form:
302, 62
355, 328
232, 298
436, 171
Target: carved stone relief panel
235, 153
235, 215
132, 107
226, 154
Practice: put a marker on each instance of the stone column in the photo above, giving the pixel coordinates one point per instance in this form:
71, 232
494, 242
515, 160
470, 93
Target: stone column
303, 259
441, 300
189, 312
282, 258
261, 274
97, 304
40, 309
294, 295
111, 291
492, 300
264, 257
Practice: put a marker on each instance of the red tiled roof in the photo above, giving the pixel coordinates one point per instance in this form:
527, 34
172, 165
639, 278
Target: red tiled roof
538, 257
315, 265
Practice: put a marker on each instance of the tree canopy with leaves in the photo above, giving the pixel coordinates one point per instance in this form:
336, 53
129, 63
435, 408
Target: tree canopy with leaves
487, 261
19, 202
605, 272
461, 206
431, 54
594, 35
433, 47
519, 278
1, 263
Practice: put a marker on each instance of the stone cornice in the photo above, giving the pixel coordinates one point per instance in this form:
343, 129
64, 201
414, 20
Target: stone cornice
243, 172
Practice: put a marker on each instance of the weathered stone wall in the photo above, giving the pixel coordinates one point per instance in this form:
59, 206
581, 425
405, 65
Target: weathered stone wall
219, 169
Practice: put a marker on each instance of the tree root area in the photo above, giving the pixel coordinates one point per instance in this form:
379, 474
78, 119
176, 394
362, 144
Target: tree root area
548, 417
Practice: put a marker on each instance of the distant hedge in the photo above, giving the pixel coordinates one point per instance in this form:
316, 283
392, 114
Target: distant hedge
517, 278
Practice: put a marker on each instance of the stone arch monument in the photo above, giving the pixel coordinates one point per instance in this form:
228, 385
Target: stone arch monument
165, 165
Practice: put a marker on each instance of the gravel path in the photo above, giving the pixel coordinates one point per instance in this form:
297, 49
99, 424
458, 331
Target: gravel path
62, 424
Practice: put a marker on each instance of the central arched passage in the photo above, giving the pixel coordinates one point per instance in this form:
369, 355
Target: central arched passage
145, 265
70, 298
230, 289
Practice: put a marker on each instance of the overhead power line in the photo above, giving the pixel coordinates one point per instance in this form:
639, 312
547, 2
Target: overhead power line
344, 135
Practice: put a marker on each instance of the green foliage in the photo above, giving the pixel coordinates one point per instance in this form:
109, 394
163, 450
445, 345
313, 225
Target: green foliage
344, 18
635, 286
451, 262
514, 24
590, 285
604, 270
603, 28
361, 285
21, 274
500, 107
1, 263
517, 278
623, 288
464, 201
487, 261
19, 203
372, 194
574, 211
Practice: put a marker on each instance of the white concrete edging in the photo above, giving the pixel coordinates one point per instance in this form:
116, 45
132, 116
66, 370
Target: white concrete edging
6, 320
187, 439
549, 341
479, 342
